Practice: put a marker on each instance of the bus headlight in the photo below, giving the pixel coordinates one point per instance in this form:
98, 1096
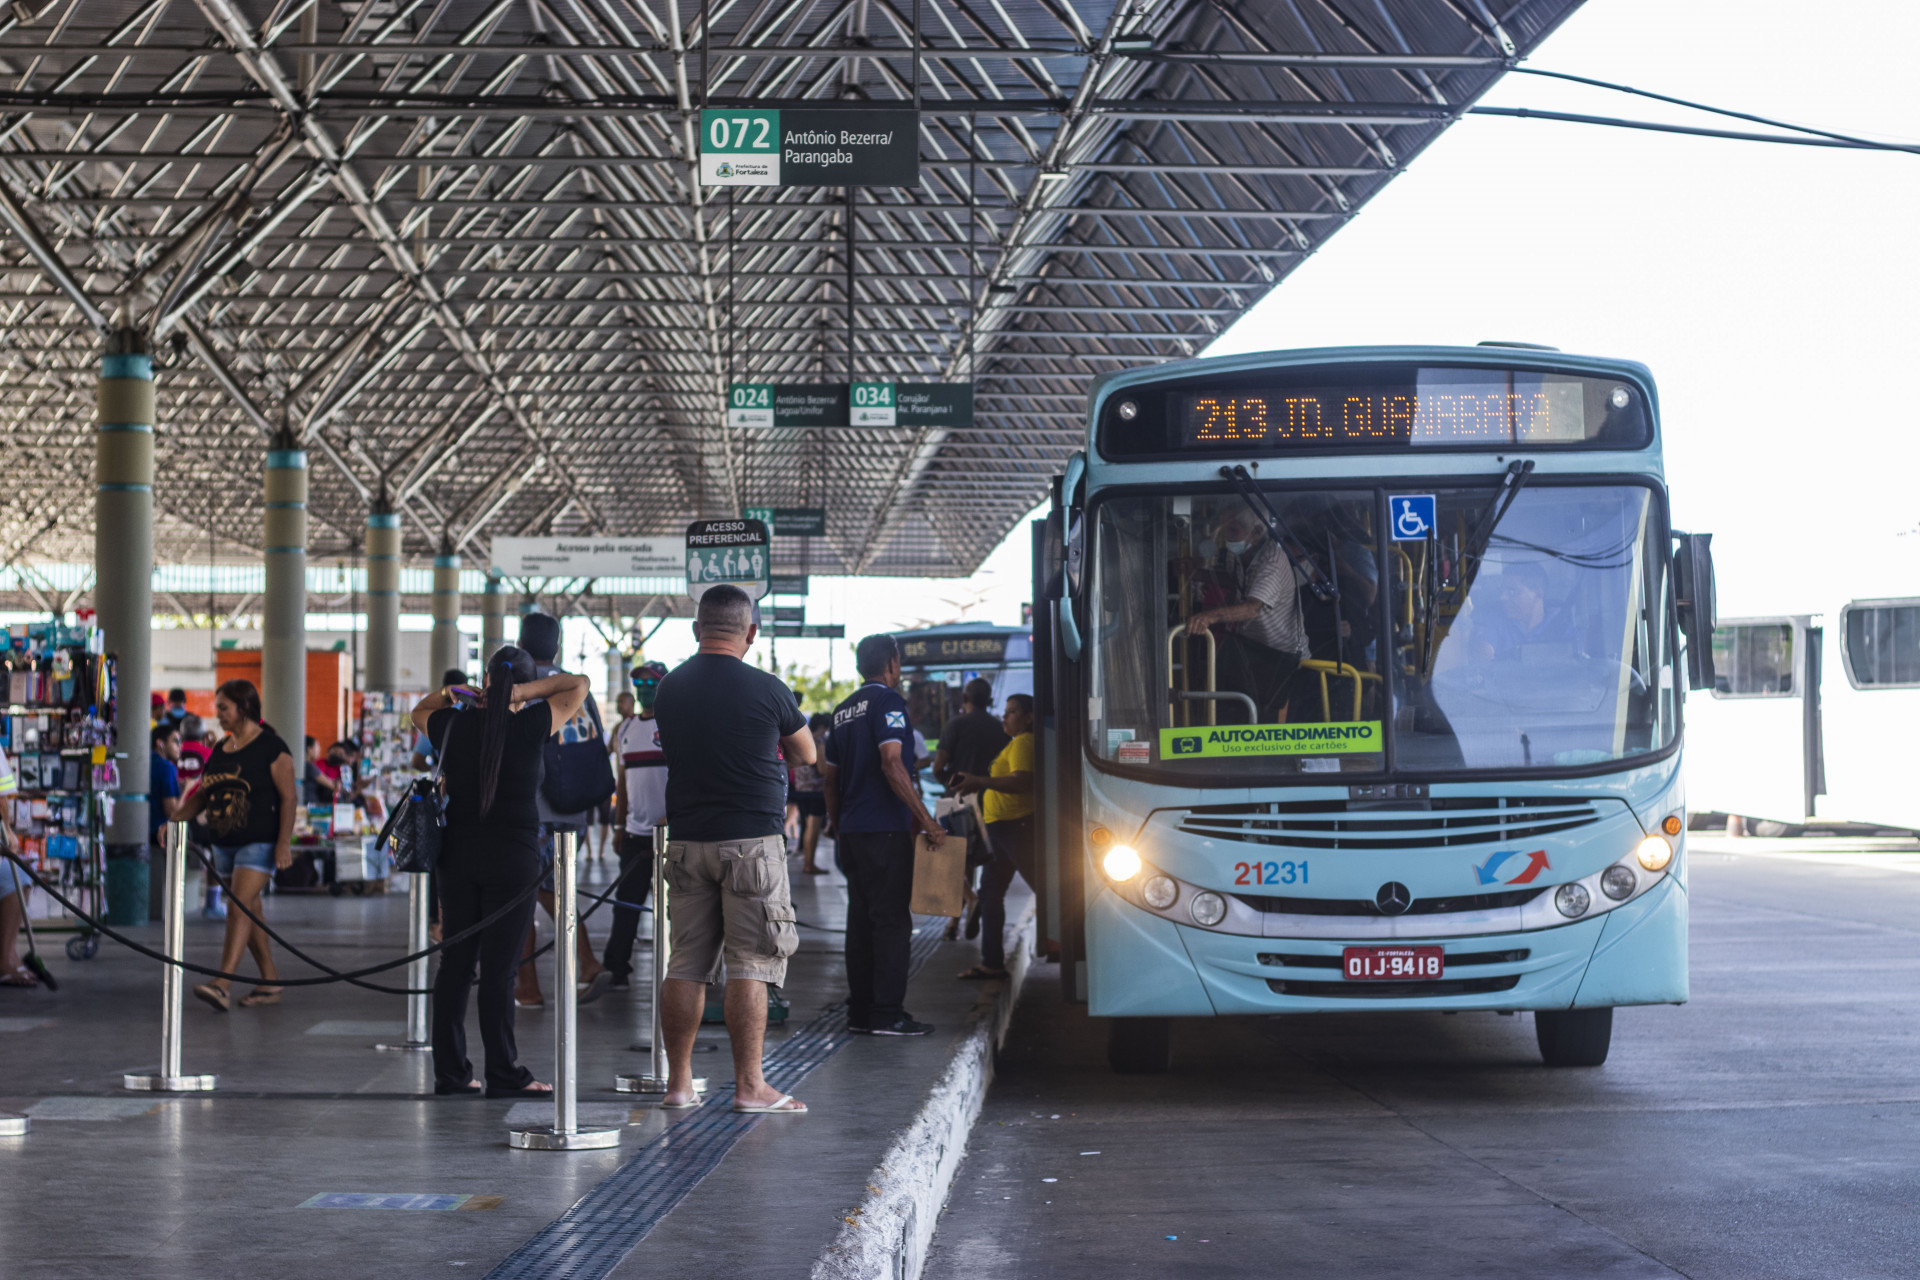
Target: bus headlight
1654, 853
1120, 863
1573, 900
1159, 892
1207, 909
1618, 882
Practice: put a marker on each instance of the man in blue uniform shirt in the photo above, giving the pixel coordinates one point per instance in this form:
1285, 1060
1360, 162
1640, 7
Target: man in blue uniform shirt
873, 810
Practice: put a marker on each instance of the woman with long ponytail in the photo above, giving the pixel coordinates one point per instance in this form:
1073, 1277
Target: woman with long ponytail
489, 748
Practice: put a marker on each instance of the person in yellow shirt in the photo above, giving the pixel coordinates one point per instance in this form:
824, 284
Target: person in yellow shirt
1006, 802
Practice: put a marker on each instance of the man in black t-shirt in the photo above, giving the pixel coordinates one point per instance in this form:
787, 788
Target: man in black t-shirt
970, 741
723, 727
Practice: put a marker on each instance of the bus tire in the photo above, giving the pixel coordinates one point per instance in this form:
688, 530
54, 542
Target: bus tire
1140, 1046
1573, 1037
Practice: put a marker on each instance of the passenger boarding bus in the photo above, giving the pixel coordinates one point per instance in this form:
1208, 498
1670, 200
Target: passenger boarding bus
1360, 677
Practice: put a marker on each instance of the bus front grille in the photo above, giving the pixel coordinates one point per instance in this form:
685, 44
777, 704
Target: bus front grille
1393, 990
1270, 904
1444, 821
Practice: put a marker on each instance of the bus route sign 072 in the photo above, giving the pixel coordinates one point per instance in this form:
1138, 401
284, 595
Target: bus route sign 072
1354, 738
746, 147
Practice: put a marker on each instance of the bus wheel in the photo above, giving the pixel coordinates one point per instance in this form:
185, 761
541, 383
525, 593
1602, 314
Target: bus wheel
1573, 1037
1140, 1046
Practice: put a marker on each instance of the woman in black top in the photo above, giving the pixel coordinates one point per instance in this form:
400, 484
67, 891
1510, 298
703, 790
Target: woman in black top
245, 799
490, 748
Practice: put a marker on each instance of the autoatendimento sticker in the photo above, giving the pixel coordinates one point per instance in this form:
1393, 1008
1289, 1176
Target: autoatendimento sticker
1358, 737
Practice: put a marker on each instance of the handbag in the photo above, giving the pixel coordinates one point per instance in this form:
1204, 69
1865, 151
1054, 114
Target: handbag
578, 775
417, 827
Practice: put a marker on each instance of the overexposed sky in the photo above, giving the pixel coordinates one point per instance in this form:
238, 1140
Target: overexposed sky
1770, 288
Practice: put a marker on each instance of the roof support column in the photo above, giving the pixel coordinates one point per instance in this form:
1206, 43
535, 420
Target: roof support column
383, 600
123, 571
449, 651
283, 630
493, 618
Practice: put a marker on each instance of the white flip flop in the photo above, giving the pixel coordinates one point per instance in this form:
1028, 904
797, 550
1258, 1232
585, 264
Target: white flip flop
777, 1107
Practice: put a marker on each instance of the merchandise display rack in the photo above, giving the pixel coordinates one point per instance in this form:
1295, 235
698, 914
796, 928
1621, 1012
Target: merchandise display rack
58, 732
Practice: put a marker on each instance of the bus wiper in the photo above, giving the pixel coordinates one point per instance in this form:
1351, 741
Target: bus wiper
1324, 590
1518, 473
1515, 479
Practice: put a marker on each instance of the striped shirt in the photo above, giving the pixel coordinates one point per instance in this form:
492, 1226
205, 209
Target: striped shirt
1269, 579
638, 742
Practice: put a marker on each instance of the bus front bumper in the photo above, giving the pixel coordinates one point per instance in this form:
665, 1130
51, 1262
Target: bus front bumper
1142, 965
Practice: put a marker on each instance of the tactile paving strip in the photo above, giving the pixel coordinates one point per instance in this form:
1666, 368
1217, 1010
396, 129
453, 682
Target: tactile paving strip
588, 1241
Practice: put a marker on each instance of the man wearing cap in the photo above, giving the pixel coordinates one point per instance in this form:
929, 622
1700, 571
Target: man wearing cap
639, 805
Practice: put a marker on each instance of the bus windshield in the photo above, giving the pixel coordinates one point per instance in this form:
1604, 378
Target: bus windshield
1474, 636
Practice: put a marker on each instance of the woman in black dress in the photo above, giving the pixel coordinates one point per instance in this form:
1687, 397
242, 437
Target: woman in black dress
490, 746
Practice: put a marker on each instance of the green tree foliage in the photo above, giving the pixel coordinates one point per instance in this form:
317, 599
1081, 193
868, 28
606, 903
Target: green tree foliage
818, 690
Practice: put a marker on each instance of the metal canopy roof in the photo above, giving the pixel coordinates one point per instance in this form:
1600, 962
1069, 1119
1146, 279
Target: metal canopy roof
456, 245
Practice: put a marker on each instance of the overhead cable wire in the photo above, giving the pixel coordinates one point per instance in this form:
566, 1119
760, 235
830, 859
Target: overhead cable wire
1817, 137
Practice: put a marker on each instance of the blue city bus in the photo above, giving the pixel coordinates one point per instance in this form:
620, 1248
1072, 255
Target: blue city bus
1360, 675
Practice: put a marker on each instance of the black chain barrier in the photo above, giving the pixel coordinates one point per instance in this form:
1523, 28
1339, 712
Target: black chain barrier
333, 975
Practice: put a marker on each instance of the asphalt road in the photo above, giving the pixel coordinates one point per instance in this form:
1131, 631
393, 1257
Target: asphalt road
1770, 1128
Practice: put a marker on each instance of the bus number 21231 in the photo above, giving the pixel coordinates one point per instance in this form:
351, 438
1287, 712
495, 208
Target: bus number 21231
1270, 873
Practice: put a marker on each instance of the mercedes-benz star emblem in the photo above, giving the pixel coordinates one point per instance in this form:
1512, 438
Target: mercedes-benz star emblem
1393, 898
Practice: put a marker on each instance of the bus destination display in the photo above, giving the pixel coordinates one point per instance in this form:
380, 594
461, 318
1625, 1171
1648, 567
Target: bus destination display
1485, 411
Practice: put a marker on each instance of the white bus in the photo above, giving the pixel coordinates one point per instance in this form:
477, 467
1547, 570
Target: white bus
1809, 718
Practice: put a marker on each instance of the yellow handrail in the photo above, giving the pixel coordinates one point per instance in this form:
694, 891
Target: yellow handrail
1343, 671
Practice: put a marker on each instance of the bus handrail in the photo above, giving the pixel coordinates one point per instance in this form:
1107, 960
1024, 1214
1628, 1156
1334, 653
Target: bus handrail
1213, 658
1342, 671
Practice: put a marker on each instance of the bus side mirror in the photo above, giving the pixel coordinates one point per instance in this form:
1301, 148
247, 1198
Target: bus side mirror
1693, 601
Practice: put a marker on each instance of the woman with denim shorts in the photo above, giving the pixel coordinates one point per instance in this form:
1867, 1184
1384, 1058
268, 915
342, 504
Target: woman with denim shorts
246, 798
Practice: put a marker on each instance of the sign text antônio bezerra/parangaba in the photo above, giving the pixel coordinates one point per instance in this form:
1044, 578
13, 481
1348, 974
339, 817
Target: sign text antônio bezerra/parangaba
827, 147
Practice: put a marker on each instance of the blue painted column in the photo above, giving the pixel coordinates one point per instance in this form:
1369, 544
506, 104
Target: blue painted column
283, 638
123, 597
383, 601
447, 648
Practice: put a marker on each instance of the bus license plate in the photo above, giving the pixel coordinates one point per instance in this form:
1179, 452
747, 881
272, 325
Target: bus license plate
1388, 964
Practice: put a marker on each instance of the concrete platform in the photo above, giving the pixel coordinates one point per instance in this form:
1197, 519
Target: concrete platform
253, 1179
1765, 1130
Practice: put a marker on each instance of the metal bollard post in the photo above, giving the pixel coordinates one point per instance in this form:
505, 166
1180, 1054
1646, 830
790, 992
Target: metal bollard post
173, 980
419, 918
565, 1133
655, 1081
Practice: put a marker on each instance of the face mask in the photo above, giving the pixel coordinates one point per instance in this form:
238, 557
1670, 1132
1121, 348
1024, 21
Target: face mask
1236, 548
643, 694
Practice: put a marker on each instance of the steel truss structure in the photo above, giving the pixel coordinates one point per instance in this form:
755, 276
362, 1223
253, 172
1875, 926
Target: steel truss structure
457, 249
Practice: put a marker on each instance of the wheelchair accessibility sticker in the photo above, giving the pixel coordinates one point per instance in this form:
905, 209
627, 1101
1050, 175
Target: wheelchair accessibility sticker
1272, 740
1498, 865
1412, 516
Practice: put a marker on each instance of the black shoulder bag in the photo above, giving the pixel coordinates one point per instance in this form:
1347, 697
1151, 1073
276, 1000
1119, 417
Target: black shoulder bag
579, 775
417, 827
